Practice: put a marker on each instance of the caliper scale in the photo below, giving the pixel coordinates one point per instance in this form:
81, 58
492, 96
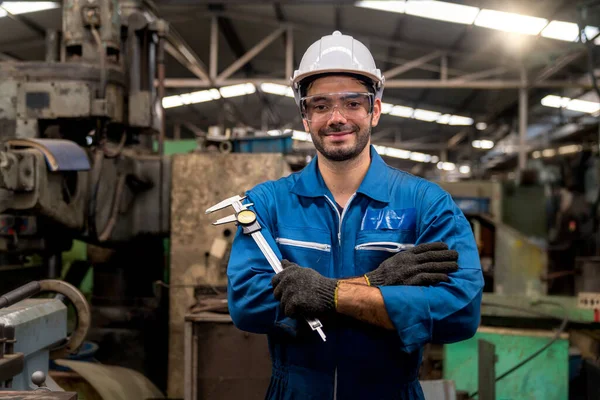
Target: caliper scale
248, 221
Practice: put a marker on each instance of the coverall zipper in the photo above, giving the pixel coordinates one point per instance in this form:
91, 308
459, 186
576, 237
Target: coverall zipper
339, 236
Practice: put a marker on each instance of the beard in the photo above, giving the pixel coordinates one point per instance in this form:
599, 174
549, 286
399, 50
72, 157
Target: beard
342, 152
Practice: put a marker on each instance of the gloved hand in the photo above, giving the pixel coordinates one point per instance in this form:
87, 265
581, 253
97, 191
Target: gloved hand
423, 265
303, 291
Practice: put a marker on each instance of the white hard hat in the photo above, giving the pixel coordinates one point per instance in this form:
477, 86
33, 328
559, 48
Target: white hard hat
337, 53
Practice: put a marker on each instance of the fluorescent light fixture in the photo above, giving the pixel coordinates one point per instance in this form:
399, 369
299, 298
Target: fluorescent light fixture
482, 144
569, 149
392, 152
549, 153
444, 119
481, 126
393, 6
420, 157
555, 101
434, 159
237, 90
386, 108
536, 154
446, 166
401, 111
200, 96
275, 88
442, 11
464, 169
426, 115
583, 106
561, 30
172, 101
23, 7
510, 22
458, 120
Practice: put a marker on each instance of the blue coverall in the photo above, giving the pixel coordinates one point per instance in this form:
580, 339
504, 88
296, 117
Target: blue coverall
390, 211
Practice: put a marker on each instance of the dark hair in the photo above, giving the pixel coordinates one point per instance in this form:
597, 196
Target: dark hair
306, 82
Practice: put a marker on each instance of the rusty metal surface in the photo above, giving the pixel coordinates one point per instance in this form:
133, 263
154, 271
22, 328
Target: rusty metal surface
10, 366
41, 71
113, 382
41, 395
198, 182
225, 363
53, 100
84, 315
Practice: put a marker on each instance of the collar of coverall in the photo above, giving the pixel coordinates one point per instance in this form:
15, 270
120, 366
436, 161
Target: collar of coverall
375, 185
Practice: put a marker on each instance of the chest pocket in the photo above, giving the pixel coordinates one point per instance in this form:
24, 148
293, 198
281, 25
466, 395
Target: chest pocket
307, 247
375, 246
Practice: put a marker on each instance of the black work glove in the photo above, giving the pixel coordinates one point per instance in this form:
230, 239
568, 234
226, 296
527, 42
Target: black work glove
423, 265
303, 291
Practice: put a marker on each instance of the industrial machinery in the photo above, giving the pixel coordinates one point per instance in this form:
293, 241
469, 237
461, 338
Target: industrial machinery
24, 353
76, 159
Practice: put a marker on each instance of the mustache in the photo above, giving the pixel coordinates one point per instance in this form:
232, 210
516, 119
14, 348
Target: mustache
339, 128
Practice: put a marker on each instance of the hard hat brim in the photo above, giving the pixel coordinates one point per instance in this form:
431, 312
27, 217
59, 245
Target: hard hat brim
297, 79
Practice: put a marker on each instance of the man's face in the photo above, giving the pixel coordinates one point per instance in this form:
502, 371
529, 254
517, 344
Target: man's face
342, 134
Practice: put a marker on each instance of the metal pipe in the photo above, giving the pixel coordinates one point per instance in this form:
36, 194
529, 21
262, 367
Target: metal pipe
20, 293
523, 111
214, 48
52, 45
394, 83
160, 58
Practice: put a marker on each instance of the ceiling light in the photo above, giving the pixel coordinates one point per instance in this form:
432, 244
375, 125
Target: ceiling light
393, 6
200, 97
434, 159
401, 111
555, 101
237, 90
444, 119
510, 22
457, 120
421, 157
482, 144
464, 169
583, 106
275, 88
442, 11
22, 7
386, 108
536, 154
481, 126
561, 30
426, 115
446, 166
549, 153
569, 149
172, 101
392, 152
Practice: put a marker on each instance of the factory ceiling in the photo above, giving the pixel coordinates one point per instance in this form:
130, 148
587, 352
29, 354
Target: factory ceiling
453, 74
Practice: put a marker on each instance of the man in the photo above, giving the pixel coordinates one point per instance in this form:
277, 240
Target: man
384, 259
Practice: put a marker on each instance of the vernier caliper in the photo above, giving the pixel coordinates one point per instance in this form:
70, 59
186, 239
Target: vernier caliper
247, 220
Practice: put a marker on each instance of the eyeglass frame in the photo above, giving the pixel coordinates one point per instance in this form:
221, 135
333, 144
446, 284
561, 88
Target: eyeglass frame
304, 113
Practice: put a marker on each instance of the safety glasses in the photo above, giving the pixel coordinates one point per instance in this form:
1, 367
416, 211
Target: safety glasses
351, 105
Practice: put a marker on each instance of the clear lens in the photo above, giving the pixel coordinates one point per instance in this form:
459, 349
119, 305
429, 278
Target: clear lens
351, 105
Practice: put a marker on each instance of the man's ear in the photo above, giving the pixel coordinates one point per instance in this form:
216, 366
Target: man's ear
306, 127
376, 112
